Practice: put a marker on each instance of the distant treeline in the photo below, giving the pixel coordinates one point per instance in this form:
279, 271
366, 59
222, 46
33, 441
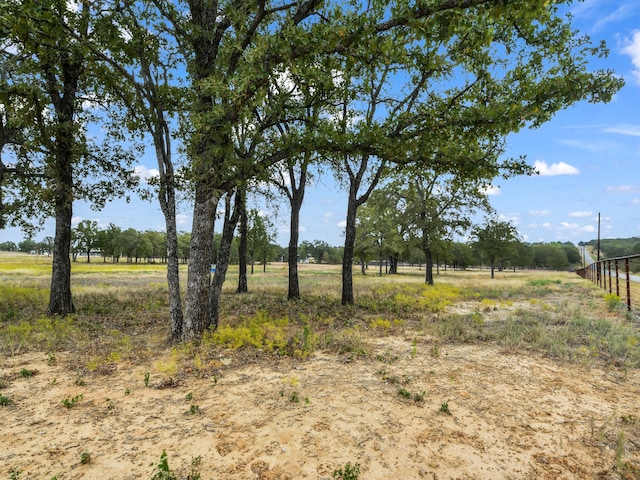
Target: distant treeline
618, 247
113, 244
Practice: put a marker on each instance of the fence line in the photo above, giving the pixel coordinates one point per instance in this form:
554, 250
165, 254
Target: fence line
605, 272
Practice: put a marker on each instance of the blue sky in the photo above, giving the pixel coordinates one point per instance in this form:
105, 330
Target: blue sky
588, 157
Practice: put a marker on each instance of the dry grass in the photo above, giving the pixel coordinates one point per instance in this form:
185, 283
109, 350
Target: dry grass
122, 312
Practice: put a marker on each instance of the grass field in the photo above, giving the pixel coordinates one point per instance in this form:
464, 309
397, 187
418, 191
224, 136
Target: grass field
121, 325
554, 312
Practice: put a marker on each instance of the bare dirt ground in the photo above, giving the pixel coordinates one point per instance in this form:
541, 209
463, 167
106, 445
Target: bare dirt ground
510, 416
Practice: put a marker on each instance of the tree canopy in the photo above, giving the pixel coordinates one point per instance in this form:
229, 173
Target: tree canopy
434, 85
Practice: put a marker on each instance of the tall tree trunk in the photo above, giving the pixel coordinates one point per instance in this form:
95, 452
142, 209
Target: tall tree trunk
428, 268
243, 286
292, 254
173, 262
230, 222
197, 315
355, 181
349, 248
60, 300
167, 200
393, 261
296, 198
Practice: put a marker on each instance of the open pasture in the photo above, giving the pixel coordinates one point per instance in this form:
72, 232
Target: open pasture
530, 375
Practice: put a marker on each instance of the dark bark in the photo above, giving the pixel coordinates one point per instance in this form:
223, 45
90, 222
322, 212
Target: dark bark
60, 299
296, 196
349, 247
173, 270
393, 264
230, 222
197, 314
428, 268
64, 103
355, 181
292, 259
167, 200
243, 286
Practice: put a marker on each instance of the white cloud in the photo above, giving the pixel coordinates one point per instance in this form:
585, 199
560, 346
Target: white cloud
182, 219
584, 214
490, 190
125, 34
144, 173
327, 216
624, 129
574, 227
76, 220
342, 224
546, 225
539, 213
621, 189
560, 168
632, 48
514, 218
73, 5
635, 201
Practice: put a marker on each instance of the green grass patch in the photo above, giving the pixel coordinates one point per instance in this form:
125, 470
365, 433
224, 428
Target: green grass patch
431, 298
542, 282
260, 331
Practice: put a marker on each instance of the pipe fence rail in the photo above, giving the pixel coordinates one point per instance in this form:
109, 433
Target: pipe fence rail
614, 276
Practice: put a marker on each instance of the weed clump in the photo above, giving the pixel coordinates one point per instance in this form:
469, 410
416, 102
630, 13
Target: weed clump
349, 472
259, 331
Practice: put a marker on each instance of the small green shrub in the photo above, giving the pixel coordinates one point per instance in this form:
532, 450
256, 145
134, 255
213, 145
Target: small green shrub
162, 470
14, 473
260, 331
403, 392
194, 474
71, 402
349, 472
613, 301
5, 401
380, 324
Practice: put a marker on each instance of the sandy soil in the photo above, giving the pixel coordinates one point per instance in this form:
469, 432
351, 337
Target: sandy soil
511, 416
